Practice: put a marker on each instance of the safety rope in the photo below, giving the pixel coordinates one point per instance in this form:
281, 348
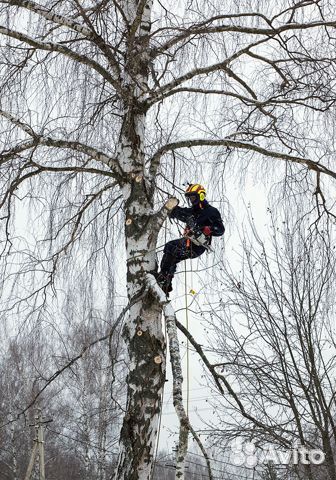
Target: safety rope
187, 327
187, 319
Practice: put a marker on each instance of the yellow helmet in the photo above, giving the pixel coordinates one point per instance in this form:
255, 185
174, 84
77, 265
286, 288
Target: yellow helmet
197, 190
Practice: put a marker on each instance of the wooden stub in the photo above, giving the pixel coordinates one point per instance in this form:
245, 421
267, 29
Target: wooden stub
157, 360
171, 203
128, 221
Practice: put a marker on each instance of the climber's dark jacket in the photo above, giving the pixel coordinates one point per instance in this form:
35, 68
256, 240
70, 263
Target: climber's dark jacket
204, 215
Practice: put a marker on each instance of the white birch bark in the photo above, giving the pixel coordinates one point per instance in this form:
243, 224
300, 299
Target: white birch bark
143, 329
145, 342
176, 364
146, 345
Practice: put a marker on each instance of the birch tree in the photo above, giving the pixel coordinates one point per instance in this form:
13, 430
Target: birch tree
104, 105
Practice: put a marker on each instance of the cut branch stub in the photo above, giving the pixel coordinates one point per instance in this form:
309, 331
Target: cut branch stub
159, 217
171, 203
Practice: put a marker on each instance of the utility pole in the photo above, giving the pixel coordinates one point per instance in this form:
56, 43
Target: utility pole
31, 462
40, 442
38, 445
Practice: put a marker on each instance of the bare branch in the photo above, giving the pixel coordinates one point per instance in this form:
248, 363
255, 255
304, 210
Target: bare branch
82, 352
196, 72
196, 30
170, 147
58, 48
57, 143
49, 15
220, 379
101, 44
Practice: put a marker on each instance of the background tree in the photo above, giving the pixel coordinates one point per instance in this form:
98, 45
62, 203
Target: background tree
105, 105
83, 417
275, 343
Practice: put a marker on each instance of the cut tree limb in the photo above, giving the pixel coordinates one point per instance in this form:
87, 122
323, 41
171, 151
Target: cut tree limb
175, 359
160, 216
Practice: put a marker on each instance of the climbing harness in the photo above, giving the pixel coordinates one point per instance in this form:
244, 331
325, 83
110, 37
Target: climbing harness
193, 234
187, 327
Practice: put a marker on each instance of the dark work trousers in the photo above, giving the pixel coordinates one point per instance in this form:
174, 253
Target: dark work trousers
177, 250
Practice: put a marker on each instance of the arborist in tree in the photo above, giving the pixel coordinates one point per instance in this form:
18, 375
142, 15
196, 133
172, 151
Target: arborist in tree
202, 222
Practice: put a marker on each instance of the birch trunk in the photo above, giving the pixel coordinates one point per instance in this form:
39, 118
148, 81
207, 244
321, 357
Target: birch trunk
143, 330
146, 350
